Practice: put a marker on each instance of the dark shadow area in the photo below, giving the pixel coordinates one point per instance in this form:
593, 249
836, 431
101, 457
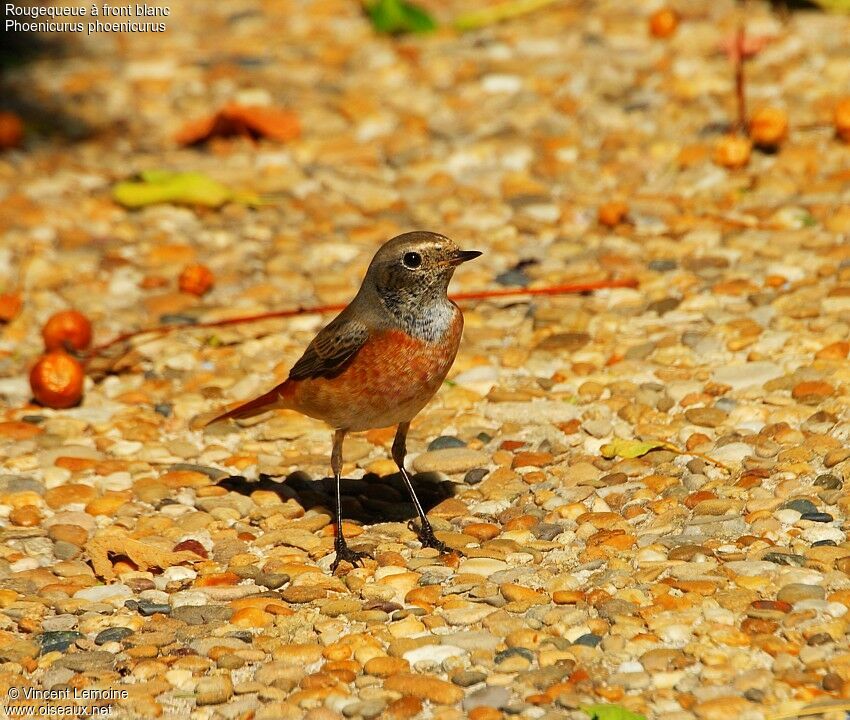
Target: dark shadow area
42, 114
369, 500
790, 5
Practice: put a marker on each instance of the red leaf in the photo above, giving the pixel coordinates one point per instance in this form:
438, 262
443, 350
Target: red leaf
242, 120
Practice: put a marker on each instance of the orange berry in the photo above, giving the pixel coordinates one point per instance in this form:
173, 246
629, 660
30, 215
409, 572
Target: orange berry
67, 329
10, 306
663, 23
11, 130
842, 119
196, 280
768, 127
732, 151
612, 214
57, 380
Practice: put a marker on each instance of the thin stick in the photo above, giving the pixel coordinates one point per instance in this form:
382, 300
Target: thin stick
740, 76
701, 456
816, 709
551, 290
548, 290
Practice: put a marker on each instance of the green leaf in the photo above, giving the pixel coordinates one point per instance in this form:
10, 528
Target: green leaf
163, 186
497, 13
398, 16
610, 712
628, 449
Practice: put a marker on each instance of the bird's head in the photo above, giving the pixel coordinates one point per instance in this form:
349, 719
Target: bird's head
416, 266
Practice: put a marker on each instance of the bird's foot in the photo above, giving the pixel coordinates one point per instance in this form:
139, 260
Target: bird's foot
346, 554
426, 536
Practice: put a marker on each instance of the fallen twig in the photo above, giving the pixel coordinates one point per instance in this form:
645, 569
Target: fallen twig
740, 77
815, 709
550, 290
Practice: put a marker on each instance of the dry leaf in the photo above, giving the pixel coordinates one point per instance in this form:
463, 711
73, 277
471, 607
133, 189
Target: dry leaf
183, 188
144, 555
246, 120
628, 448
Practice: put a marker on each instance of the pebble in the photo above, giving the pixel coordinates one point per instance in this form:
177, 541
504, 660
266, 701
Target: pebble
588, 640
113, 634
820, 517
802, 506
58, 640
468, 678
425, 687
493, 696
117, 593
482, 566
710, 417
148, 608
475, 476
449, 460
445, 441
213, 690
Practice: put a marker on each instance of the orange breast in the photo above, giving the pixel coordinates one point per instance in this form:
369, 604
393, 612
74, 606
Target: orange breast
390, 380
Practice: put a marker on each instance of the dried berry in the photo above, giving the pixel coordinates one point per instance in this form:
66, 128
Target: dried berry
612, 214
842, 119
10, 306
663, 23
57, 380
196, 280
67, 330
732, 151
768, 127
11, 130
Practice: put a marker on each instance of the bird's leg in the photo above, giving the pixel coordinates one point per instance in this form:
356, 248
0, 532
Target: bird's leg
426, 532
343, 552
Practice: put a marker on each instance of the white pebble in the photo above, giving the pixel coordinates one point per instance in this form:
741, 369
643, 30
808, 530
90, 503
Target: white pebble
117, 593
497, 83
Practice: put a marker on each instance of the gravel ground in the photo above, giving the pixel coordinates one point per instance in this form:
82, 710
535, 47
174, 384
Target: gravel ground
707, 578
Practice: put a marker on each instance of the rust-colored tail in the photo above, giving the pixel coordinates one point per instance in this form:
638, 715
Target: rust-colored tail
271, 400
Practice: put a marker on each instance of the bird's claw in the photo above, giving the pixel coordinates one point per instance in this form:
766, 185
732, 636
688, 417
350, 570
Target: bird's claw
426, 536
346, 554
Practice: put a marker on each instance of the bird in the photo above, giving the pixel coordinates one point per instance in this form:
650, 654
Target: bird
380, 361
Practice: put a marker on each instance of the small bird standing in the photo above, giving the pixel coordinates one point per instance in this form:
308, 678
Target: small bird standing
381, 360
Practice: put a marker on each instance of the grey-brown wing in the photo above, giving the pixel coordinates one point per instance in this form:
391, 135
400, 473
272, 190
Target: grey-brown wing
331, 349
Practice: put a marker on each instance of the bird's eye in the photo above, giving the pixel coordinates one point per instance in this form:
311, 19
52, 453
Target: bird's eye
412, 260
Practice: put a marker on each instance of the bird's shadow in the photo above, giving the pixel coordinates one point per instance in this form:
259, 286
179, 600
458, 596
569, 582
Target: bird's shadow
369, 500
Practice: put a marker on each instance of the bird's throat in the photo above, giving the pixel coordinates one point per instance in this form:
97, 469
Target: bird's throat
428, 317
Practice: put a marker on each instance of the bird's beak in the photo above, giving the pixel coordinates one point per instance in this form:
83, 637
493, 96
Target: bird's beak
462, 256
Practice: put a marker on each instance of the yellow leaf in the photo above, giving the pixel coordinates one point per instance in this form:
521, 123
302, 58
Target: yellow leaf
629, 448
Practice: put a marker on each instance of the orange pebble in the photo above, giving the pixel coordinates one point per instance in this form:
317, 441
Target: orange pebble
484, 713
57, 380
482, 531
